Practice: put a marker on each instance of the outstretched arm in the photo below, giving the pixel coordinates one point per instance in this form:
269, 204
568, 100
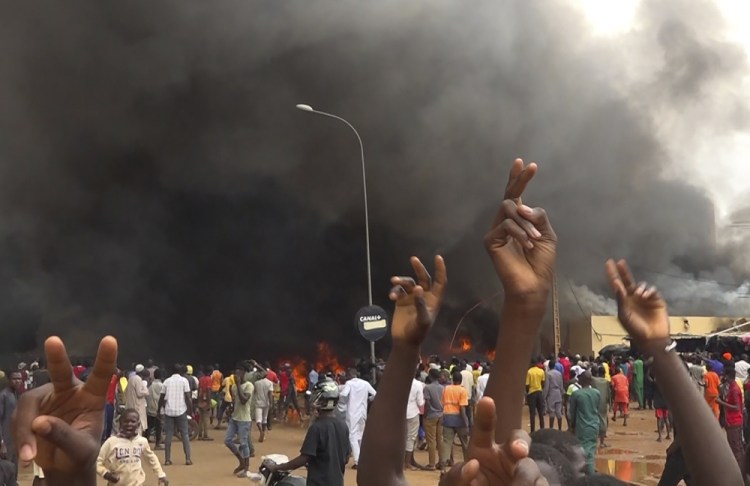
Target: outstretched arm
522, 246
417, 304
643, 313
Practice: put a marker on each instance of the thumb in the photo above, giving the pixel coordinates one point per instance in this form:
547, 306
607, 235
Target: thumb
76, 444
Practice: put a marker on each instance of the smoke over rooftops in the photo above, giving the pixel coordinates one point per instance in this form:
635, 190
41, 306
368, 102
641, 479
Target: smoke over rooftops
157, 183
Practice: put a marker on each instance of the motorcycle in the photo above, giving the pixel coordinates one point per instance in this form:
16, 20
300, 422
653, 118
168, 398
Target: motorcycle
278, 478
192, 427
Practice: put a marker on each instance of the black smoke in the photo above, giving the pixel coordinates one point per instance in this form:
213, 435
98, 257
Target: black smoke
157, 183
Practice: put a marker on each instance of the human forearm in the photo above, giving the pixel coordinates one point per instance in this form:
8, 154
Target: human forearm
295, 463
382, 457
519, 328
699, 430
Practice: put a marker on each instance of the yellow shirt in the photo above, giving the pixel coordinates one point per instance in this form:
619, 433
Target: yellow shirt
606, 372
228, 384
535, 379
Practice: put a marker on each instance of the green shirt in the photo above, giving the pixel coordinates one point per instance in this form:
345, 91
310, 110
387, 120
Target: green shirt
584, 412
603, 387
638, 371
243, 412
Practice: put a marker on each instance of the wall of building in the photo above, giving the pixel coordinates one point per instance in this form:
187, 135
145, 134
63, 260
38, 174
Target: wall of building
606, 330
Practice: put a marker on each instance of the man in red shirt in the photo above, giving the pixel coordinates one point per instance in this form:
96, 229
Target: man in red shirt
565, 362
204, 402
732, 403
109, 408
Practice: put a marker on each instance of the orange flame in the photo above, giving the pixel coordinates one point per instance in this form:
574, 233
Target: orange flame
325, 360
465, 344
491, 355
299, 372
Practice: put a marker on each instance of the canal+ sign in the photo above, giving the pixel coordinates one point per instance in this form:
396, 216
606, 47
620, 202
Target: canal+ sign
372, 322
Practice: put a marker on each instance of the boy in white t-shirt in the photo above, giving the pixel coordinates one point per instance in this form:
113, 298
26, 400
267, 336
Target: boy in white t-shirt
120, 458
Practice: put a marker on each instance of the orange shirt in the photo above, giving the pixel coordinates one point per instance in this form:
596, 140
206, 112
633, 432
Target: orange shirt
712, 384
454, 397
621, 387
216, 378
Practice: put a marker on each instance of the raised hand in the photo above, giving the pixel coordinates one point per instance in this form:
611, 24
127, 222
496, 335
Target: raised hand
640, 308
59, 425
491, 463
417, 302
521, 242
519, 177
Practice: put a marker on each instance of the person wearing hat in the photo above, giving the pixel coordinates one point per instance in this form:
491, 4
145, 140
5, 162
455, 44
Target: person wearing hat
136, 393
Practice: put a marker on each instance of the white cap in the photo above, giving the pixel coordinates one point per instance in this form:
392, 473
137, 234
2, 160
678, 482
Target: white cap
139, 368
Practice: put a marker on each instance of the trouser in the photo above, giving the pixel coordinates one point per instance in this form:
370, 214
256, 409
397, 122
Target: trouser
675, 470
356, 430
412, 430
589, 443
109, 416
714, 404
12, 457
218, 397
118, 409
154, 427
203, 424
222, 408
261, 417
449, 435
181, 422
433, 429
639, 394
242, 430
734, 436
536, 406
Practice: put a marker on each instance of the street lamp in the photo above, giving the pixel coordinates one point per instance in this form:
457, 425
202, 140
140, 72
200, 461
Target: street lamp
310, 109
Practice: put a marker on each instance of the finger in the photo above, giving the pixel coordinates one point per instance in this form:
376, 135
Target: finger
518, 444
26, 410
423, 314
461, 474
626, 275
528, 474
60, 370
396, 293
76, 444
510, 229
483, 433
613, 275
519, 178
538, 217
441, 276
407, 283
640, 288
513, 211
104, 366
651, 292
423, 276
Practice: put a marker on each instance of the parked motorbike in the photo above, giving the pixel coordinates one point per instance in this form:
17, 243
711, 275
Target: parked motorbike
278, 478
192, 427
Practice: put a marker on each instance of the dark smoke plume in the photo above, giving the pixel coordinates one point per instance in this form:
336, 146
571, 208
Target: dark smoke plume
157, 183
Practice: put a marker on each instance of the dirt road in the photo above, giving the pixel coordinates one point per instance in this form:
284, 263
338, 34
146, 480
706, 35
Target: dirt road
633, 455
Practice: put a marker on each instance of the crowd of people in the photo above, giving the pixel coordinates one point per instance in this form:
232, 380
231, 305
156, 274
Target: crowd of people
89, 420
